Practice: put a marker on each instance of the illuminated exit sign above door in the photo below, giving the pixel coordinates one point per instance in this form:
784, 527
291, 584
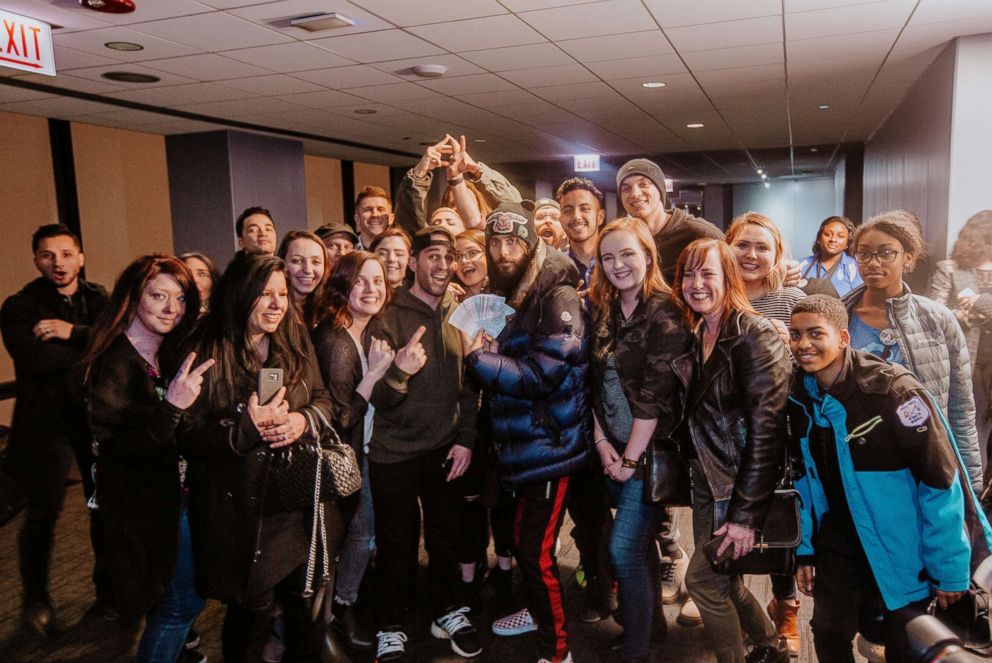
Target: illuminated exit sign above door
586, 163
26, 44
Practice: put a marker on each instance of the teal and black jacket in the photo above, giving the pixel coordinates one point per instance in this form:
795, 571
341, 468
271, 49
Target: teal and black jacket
918, 521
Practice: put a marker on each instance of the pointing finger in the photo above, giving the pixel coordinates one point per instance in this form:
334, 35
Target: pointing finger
417, 335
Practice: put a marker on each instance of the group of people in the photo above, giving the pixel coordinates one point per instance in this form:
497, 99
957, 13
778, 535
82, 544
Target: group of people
653, 340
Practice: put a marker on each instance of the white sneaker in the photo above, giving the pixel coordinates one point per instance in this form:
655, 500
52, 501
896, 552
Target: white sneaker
567, 659
392, 645
689, 614
874, 652
673, 578
518, 623
456, 627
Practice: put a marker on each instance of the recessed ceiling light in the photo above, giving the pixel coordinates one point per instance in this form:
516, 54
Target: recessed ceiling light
695, 125
651, 85
478, 140
814, 149
129, 77
767, 185
124, 46
824, 106
322, 21
366, 111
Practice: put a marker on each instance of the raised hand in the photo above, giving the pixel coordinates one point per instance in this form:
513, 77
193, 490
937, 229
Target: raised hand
461, 161
411, 357
380, 356
185, 387
435, 156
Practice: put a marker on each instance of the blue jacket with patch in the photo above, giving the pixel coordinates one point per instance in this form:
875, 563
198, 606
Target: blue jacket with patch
918, 522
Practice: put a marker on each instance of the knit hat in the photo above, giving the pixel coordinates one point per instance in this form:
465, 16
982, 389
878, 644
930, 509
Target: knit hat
329, 230
432, 236
648, 169
512, 219
546, 202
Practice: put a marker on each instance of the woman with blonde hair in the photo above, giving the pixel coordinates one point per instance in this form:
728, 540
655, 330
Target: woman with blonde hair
638, 331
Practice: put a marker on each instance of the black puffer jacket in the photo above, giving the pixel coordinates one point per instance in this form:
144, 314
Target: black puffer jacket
734, 407
537, 386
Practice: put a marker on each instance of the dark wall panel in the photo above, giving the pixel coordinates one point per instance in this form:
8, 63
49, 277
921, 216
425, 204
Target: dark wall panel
200, 194
268, 171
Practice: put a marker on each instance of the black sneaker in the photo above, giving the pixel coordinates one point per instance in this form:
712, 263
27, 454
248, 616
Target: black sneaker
769, 654
192, 639
352, 624
392, 645
456, 627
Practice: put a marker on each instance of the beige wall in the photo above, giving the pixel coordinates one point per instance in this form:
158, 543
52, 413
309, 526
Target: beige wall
123, 189
370, 174
325, 202
27, 188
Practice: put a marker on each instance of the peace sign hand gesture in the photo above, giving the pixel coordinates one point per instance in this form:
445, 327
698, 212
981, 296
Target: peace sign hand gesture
185, 387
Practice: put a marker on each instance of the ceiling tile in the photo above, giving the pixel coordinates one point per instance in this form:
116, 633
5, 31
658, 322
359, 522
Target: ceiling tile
128, 117
479, 33
78, 83
288, 58
175, 95
378, 46
68, 15
212, 32
888, 15
647, 68
742, 76
544, 76
10, 94
57, 107
592, 20
519, 57
206, 67
272, 85
67, 59
728, 34
325, 99
153, 11
468, 84
874, 43
456, 66
359, 75
166, 78
939, 11
278, 16
582, 90
676, 13
393, 92
740, 56
793, 6
92, 41
618, 47
430, 11
920, 37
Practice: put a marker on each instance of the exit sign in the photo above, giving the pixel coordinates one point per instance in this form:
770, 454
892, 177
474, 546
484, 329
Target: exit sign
26, 44
586, 163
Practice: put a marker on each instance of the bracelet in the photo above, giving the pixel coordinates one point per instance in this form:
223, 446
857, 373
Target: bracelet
628, 464
602, 439
456, 181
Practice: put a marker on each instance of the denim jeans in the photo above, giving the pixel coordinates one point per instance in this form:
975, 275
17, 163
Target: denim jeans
632, 549
359, 542
167, 626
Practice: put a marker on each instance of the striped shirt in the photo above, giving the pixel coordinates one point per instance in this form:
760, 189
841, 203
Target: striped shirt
777, 305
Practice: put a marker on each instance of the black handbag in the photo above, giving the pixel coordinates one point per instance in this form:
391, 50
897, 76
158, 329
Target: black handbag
296, 466
666, 476
775, 545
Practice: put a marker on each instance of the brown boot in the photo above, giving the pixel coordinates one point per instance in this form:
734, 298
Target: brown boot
785, 614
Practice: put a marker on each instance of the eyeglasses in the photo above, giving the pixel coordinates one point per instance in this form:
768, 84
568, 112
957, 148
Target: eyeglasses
470, 256
885, 256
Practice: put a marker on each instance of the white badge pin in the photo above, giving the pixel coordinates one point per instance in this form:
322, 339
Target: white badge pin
913, 412
566, 316
887, 336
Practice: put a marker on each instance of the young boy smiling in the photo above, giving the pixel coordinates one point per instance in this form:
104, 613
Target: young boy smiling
885, 513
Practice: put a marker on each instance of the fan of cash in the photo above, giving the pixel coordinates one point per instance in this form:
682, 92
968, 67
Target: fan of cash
481, 312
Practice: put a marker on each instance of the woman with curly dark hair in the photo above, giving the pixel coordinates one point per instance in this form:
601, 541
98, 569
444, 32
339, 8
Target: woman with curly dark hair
964, 284
831, 261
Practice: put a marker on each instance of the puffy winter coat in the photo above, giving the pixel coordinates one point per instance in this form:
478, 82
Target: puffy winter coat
539, 398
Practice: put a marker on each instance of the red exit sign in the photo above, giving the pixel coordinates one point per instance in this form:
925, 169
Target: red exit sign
26, 44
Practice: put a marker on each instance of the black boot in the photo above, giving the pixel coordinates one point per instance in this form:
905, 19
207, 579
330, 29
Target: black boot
353, 624
332, 650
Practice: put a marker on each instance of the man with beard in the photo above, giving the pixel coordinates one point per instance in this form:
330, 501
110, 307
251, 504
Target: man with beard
256, 231
373, 214
46, 327
547, 221
535, 376
422, 439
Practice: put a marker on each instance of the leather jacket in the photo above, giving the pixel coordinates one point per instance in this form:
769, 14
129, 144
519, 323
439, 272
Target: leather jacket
734, 408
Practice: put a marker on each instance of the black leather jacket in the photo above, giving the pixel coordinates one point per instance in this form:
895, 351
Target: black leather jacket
735, 413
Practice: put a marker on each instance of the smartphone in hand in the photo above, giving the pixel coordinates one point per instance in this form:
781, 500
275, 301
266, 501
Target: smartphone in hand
711, 547
269, 383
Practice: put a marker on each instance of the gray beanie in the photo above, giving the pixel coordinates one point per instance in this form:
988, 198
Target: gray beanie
648, 169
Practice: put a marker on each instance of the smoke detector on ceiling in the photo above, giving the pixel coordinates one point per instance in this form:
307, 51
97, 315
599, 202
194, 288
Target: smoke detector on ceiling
430, 70
324, 21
